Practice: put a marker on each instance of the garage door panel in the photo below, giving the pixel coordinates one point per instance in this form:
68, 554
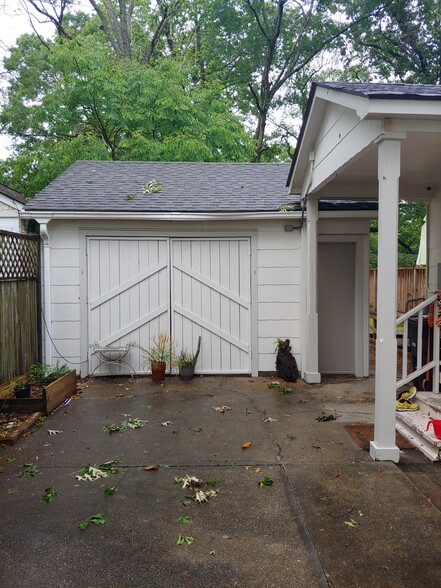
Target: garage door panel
128, 295
210, 293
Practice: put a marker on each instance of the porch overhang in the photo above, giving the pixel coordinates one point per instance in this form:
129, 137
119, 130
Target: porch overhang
379, 142
339, 142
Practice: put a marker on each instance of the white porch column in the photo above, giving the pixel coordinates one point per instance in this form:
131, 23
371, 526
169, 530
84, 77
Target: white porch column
311, 373
383, 446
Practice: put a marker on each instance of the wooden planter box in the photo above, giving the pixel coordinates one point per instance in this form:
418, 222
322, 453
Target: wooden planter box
52, 396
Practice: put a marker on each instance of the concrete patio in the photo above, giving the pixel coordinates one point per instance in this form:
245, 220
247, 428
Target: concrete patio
332, 517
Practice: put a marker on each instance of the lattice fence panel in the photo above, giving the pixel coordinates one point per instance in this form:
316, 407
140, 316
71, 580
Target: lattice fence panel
18, 256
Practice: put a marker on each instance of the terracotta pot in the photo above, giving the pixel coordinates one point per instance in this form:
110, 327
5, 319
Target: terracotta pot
158, 371
186, 372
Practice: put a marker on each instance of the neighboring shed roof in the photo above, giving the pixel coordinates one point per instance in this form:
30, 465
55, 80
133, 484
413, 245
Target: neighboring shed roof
12, 194
186, 187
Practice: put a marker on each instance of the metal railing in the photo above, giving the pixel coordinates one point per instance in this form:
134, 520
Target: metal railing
432, 362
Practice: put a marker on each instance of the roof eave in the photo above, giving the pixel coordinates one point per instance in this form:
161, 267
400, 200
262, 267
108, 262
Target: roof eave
157, 216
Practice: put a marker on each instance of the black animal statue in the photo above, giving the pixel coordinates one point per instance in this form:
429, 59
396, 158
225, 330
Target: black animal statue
286, 365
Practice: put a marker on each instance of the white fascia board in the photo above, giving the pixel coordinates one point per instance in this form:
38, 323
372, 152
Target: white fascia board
359, 104
405, 108
348, 214
412, 125
301, 169
160, 216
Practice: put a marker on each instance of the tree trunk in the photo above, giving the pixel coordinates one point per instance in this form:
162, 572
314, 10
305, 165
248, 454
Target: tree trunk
259, 136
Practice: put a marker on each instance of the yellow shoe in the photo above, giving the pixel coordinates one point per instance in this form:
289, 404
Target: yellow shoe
405, 406
407, 395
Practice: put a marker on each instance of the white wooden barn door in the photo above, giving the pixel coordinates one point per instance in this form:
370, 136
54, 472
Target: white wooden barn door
187, 287
211, 297
128, 295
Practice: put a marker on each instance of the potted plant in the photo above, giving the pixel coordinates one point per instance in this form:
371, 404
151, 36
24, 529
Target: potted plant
158, 355
22, 390
187, 361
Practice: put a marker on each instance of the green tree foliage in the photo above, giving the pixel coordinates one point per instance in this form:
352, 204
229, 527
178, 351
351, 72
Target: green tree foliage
403, 43
72, 99
410, 220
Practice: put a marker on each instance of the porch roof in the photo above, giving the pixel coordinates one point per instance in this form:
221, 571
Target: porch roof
337, 153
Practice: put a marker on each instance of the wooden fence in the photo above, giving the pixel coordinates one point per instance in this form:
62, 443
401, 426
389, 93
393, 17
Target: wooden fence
411, 286
20, 328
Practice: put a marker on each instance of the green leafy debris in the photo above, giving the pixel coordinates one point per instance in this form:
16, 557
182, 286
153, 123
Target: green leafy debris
129, 423
292, 437
97, 519
302, 401
287, 391
351, 523
185, 520
184, 540
110, 490
274, 385
152, 187
265, 482
28, 471
49, 494
90, 473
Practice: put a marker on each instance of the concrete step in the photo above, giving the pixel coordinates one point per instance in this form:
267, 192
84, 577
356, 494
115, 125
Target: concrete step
412, 425
430, 403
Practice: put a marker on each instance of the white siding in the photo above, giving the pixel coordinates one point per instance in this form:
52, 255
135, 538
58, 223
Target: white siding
278, 291
65, 293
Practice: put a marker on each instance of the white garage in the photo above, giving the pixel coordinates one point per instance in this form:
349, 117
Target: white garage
214, 250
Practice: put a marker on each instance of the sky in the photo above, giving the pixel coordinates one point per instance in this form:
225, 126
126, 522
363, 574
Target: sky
13, 23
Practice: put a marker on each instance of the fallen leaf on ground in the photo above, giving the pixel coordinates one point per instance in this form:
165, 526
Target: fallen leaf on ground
258, 470
221, 409
53, 432
165, 423
247, 444
150, 468
270, 420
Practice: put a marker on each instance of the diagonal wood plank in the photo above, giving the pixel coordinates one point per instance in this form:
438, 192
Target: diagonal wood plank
209, 327
134, 325
200, 278
127, 284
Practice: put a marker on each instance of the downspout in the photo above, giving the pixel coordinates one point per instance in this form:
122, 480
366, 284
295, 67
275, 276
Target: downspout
47, 315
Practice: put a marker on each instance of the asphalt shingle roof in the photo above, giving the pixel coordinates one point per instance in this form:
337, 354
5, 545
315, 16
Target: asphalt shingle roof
389, 91
186, 187
12, 194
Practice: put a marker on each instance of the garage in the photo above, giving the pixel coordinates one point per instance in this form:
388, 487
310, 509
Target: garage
187, 287
132, 248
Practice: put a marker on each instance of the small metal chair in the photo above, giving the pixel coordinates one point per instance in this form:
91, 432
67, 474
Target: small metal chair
112, 355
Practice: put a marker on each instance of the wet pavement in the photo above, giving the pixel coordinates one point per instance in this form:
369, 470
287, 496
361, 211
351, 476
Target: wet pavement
331, 516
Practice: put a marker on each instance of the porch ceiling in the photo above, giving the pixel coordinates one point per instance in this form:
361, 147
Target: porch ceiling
420, 171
